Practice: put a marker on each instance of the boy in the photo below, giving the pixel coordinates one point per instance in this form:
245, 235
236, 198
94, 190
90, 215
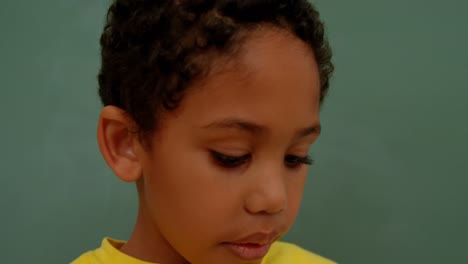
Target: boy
211, 107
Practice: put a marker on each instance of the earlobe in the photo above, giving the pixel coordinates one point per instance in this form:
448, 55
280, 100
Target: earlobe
117, 143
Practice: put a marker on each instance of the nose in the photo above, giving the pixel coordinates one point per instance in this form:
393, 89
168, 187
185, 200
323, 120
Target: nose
268, 193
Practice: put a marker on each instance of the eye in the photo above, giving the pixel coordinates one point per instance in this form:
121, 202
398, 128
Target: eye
229, 161
295, 161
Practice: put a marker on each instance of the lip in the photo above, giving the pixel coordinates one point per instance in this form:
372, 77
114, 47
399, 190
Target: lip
252, 247
248, 251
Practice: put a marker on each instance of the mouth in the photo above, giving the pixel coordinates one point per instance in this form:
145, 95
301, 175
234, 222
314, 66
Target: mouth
252, 247
248, 251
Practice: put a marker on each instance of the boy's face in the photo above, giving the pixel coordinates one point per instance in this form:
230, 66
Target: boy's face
223, 178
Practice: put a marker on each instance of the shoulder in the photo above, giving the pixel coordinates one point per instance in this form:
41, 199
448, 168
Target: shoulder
285, 253
85, 258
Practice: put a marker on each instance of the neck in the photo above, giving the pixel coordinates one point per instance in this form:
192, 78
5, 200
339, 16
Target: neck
146, 242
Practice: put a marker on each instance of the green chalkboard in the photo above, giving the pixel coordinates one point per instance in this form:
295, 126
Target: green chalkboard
391, 178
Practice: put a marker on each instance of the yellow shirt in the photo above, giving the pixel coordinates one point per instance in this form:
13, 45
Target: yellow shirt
279, 253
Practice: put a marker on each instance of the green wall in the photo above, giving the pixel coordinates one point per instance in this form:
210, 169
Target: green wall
390, 184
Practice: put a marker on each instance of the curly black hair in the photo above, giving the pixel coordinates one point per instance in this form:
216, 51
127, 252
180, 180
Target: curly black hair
152, 49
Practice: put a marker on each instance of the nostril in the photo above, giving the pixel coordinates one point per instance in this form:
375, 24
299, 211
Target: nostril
266, 204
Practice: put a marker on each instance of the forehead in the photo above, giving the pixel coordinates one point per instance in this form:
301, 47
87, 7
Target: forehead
273, 80
259, 51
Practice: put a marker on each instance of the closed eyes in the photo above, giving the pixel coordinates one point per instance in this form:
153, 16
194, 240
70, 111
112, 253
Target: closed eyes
228, 161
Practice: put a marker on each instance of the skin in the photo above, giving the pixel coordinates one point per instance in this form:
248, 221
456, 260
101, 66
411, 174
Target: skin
190, 204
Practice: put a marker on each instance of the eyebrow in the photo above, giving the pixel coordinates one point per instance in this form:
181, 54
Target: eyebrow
254, 128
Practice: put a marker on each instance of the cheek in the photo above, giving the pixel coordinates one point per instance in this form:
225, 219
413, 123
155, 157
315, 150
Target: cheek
185, 194
295, 191
189, 200
171, 188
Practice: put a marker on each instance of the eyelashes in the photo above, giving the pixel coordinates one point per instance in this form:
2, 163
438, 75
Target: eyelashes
227, 161
294, 161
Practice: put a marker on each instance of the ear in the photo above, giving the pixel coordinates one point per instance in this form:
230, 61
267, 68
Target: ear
118, 143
